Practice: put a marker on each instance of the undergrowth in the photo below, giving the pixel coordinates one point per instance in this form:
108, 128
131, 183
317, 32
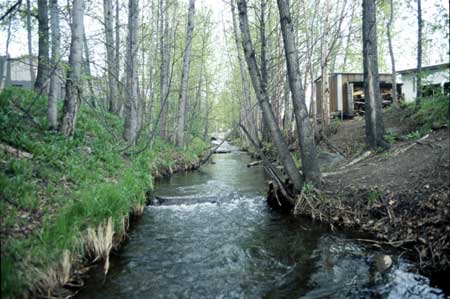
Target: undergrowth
48, 202
432, 114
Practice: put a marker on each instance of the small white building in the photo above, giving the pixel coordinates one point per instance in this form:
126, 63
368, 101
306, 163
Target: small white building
435, 78
16, 72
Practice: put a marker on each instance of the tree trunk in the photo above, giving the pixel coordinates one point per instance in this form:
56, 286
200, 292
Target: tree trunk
87, 70
206, 129
119, 89
391, 53
308, 152
40, 85
30, 43
197, 107
164, 69
131, 104
372, 96
348, 43
250, 122
185, 75
73, 82
171, 58
325, 86
263, 101
54, 77
264, 68
419, 54
110, 57
8, 36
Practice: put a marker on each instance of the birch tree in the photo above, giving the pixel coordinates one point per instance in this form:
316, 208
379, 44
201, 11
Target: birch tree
391, 52
43, 56
325, 83
54, 77
73, 82
372, 96
30, 42
250, 120
110, 57
131, 104
263, 100
117, 59
185, 75
164, 68
419, 54
308, 152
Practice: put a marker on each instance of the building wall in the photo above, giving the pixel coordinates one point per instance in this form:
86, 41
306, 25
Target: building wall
430, 77
3, 63
409, 87
338, 90
16, 72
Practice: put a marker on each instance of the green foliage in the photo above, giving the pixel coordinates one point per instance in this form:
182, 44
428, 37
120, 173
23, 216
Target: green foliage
432, 113
413, 135
72, 183
373, 197
297, 159
391, 137
308, 188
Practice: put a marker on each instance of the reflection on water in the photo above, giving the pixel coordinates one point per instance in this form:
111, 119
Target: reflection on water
215, 237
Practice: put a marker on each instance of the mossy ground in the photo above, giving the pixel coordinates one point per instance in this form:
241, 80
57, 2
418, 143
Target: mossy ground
47, 202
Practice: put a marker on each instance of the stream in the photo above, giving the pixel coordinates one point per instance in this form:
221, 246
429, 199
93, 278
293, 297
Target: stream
215, 237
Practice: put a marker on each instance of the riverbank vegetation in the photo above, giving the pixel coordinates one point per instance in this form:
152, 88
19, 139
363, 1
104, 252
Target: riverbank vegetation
58, 193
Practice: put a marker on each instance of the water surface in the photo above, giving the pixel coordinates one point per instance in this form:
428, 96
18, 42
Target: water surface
215, 237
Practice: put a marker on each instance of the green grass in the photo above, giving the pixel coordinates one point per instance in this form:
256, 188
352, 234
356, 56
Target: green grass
72, 183
373, 197
432, 114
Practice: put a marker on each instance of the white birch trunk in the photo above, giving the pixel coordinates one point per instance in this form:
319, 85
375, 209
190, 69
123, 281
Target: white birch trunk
132, 96
54, 77
185, 75
73, 83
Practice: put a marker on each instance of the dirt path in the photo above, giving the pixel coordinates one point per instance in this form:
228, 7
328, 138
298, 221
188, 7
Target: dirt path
406, 166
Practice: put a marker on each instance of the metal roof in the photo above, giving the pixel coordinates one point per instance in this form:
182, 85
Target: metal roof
427, 68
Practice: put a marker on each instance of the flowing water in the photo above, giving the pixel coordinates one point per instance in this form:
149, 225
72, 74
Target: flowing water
215, 237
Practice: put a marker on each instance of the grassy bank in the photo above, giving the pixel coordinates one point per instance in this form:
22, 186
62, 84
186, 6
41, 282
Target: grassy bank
66, 201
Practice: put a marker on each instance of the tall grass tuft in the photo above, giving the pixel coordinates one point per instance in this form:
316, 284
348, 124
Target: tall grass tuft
99, 242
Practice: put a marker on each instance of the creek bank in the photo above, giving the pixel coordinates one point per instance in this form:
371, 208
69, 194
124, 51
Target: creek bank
79, 270
82, 270
400, 200
399, 196
68, 201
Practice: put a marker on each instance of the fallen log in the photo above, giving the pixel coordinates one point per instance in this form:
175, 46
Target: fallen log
254, 163
15, 151
362, 157
419, 141
284, 188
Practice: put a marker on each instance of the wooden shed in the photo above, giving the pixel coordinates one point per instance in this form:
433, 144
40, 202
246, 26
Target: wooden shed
347, 93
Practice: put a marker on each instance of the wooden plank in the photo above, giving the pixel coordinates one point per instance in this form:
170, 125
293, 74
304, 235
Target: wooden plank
350, 107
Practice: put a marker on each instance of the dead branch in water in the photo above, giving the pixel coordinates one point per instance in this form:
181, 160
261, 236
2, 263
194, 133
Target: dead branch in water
271, 170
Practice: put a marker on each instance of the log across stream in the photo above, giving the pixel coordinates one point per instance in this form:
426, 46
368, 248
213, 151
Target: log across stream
214, 236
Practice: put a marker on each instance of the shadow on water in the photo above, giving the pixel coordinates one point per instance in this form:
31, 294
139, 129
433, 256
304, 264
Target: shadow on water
213, 236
